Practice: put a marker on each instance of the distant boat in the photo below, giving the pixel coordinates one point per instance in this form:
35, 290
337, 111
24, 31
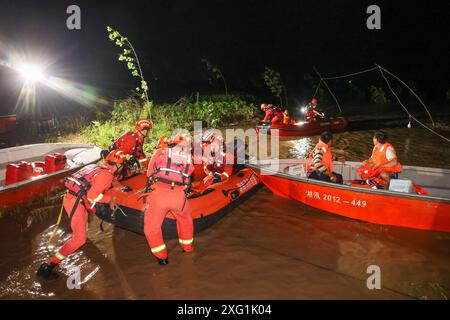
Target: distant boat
302, 128
8, 123
287, 178
33, 171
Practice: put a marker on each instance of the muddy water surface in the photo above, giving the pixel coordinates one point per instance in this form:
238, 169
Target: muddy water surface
267, 248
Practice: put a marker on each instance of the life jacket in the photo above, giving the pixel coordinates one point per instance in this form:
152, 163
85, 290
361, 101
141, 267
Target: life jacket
174, 168
214, 160
379, 158
327, 158
79, 183
130, 143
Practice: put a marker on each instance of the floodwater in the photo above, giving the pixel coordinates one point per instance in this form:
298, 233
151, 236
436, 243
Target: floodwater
267, 248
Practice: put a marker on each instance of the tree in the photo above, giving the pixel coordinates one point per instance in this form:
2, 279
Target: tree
274, 83
129, 56
215, 72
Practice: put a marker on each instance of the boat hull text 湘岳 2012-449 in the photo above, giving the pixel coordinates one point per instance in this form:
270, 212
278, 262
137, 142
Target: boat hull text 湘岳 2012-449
357, 200
30, 172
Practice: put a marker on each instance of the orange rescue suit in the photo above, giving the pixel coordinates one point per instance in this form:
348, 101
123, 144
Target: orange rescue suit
170, 171
133, 144
100, 180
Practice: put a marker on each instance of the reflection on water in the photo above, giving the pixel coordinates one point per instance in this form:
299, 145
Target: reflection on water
267, 248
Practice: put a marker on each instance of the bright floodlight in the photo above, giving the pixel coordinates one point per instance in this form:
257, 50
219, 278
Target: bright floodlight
30, 72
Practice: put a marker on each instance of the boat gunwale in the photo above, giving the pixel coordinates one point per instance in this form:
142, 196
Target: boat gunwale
46, 176
352, 188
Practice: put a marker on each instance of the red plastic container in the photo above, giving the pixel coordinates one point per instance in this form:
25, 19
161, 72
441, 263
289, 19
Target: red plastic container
38, 168
16, 172
55, 162
12, 174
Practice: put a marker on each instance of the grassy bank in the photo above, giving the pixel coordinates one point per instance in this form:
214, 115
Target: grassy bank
215, 111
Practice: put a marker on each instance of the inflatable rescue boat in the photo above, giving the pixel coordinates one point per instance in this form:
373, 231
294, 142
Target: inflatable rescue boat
302, 128
208, 206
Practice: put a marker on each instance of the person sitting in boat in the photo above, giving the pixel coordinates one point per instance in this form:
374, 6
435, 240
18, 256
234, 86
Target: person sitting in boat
287, 118
169, 173
132, 143
311, 114
320, 161
273, 113
383, 162
85, 188
215, 165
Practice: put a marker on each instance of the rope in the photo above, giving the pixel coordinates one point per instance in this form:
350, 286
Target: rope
317, 89
351, 74
410, 116
54, 229
335, 100
411, 90
381, 69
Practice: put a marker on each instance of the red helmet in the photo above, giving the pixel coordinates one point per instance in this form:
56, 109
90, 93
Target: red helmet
211, 135
314, 100
181, 138
143, 124
116, 157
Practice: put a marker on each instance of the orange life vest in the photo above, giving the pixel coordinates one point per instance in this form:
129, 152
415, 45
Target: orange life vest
327, 157
379, 155
79, 183
131, 143
174, 167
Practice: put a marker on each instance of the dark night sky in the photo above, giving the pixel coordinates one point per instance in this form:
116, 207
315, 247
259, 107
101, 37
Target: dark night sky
240, 36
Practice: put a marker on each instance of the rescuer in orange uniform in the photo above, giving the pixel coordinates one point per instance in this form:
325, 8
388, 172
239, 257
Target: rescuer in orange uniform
132, 143
85, 188
273, 113
384, 158
310, 111
320, 161
287, 118
169, 172
215, 165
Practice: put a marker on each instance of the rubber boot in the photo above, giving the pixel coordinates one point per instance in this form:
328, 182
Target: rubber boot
163, 262
47, 271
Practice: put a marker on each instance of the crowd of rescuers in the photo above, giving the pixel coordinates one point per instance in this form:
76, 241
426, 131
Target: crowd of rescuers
170, 173
274, 114
381, 167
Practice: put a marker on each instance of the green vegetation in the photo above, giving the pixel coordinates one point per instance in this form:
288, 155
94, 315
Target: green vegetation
378, 96
129, 56
215, 111
274, 83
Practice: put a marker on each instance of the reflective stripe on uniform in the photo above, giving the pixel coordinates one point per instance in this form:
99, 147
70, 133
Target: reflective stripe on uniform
74, 180
158, 248
174, 171
143, 160
226, 174
99, 197
182, 241
59, 255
